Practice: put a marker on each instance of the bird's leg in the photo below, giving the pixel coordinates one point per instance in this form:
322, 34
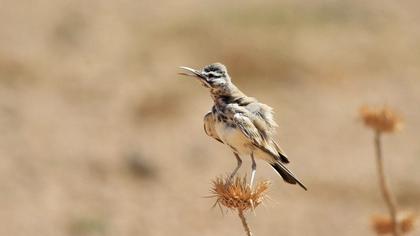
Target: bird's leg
239, 163
254, 169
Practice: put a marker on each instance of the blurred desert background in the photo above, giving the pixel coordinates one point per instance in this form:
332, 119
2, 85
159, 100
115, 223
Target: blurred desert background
99, 136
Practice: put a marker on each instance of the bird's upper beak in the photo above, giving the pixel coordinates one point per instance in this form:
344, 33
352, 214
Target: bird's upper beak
196, 74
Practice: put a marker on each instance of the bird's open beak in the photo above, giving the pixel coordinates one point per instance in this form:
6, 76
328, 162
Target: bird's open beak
196, 74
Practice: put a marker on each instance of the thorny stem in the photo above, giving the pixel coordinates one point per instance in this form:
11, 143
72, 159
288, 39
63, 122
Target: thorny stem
244, 223
389, 200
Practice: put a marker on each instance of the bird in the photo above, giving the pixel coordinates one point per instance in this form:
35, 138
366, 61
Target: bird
240, 122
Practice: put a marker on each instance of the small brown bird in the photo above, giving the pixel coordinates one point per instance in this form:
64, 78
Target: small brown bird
242, 123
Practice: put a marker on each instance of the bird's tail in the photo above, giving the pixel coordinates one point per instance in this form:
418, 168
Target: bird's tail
286, 174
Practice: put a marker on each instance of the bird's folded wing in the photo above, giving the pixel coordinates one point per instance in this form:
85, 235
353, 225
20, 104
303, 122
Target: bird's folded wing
248, 128
282, 155
209, 126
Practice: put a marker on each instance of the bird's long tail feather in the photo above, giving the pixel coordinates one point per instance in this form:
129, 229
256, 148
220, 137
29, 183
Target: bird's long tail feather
286, 174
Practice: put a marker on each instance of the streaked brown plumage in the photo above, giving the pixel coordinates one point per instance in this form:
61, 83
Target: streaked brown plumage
241, 122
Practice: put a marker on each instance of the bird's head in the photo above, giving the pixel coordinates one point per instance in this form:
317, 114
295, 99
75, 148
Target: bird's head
213, 76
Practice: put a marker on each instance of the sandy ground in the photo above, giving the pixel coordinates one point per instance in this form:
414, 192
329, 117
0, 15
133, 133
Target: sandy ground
99, 136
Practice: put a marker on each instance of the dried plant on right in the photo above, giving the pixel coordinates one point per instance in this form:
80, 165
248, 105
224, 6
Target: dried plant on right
381, 120
385, 120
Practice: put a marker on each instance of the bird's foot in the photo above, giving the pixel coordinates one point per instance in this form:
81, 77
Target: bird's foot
229, 181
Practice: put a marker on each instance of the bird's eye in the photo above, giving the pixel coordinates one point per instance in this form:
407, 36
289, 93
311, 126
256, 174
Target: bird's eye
211, 76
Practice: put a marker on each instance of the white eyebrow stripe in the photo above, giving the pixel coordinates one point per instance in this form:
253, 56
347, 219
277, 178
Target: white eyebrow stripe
214, 73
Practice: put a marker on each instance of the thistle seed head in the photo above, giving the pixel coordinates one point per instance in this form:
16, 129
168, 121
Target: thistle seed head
382, 224
238, 195
381, 119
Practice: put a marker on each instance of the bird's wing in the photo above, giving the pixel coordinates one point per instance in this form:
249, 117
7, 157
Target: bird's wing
209, 128
248, 128
282, 154
263, 114
264, 122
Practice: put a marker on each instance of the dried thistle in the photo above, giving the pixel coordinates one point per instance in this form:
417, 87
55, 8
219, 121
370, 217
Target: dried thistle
381, 119
238, 195
382, 224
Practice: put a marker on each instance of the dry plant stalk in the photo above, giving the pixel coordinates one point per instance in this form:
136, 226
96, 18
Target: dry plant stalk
389, 200
238, 195
244, 223
383, 120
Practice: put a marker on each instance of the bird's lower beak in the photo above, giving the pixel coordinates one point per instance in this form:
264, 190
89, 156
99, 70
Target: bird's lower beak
194, 73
